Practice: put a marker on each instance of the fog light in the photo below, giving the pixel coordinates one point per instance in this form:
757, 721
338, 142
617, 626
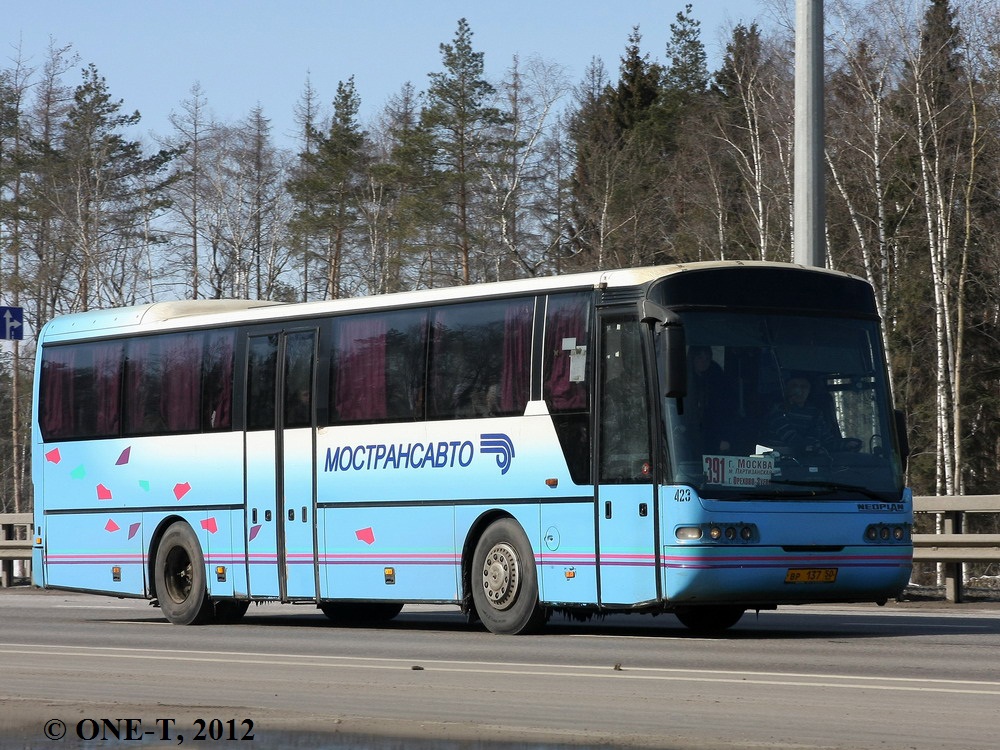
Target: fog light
871, 533
730, 533
688, 533
884, 533
715, 532
899, 533
746, 533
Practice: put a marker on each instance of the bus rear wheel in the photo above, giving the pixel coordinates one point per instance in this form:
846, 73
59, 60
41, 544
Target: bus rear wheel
505, 581
179, 575
709, 618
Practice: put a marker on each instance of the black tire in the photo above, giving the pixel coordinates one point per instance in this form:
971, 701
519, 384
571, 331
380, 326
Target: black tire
360, 613
505, 581
229, 611
179, 575
710, 618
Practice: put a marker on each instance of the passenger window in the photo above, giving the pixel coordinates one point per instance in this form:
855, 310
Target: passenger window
567, 324
377, 371
566, 375
217, 381
163, 384
80, 391
480, 359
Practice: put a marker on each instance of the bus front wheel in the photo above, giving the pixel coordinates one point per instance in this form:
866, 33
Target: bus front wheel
179, 575
504, 580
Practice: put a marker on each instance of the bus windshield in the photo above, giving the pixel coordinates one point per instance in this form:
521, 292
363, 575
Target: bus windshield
783, 407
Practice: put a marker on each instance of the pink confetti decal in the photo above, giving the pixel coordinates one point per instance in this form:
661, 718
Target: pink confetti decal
111, 526
253, 532
53, 456
123, 458
133, 529
103, 493
210, 525
180, 490
366, 535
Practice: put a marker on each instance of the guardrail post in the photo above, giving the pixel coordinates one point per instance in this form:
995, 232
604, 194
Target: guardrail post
953, 571
6, 566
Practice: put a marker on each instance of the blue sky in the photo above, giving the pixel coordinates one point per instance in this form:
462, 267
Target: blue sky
246, 53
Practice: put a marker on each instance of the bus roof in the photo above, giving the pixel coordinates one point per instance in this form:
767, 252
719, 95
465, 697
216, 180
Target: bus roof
162, 316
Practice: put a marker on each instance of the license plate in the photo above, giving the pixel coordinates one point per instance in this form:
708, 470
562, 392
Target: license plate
811, 575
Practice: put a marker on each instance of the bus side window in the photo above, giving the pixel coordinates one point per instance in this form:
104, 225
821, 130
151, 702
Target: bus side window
566, 377
567, 326
480, 359
377, 368
163, 384
217, 381
79, 391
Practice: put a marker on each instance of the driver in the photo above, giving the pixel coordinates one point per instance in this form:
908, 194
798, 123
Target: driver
801, 427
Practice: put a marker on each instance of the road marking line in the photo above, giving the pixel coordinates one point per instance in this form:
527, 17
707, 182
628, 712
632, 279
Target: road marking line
781, 679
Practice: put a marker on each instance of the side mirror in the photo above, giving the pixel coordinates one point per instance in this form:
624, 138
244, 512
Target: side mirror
675, 368
668, 324
901, 437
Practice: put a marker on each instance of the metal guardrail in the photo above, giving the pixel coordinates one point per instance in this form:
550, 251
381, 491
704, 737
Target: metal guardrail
952, 547
12, 548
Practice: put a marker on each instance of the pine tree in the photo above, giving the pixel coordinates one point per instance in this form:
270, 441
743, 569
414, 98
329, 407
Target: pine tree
687, 71
104, 191
327, 189
412, 197
462, 124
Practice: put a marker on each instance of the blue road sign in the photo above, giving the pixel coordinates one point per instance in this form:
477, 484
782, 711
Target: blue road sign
12, 323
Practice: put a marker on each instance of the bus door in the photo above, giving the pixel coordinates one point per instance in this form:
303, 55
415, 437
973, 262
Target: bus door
280, 465
626, 507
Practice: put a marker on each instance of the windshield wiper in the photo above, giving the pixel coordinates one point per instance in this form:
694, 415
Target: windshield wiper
831, 487
772, 494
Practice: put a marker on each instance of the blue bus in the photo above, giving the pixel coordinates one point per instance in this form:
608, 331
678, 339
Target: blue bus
697, 439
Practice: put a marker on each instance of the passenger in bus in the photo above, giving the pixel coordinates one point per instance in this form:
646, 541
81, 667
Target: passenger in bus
801, 428
711, 400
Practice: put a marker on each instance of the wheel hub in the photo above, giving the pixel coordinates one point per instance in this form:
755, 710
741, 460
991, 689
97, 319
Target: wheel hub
501, 576
178, 575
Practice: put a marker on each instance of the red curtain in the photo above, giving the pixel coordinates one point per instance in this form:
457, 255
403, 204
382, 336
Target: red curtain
359, 370
516, 375
566, 322
180, 391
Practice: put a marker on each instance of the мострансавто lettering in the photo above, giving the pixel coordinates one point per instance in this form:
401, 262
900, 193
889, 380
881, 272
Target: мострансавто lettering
378, 456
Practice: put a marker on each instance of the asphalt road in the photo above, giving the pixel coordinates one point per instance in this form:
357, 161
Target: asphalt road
113, 673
